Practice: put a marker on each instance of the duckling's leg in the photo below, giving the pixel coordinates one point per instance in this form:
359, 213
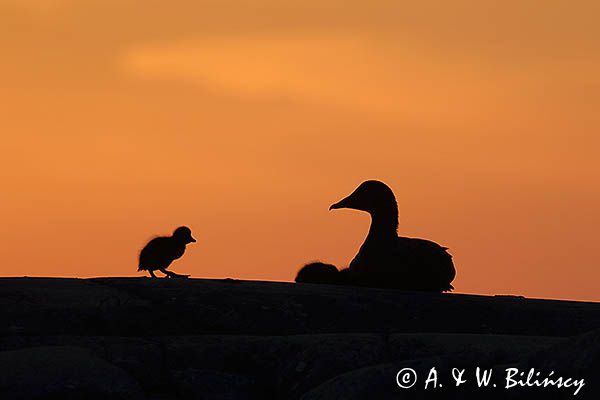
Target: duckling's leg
173, 274
152, 273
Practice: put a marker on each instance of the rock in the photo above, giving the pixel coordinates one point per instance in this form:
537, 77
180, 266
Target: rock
62, 373
577, 358
219, 339
373, 382
236, 354
313, 359
498, 349
197, 384
442, 352
160, 307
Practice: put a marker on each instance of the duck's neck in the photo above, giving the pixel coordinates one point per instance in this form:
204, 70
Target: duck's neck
384, 226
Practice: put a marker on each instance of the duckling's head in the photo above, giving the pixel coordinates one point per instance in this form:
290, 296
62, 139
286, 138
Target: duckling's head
183, 234
374, 197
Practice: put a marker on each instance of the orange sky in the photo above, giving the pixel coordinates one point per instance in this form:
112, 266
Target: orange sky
245, 120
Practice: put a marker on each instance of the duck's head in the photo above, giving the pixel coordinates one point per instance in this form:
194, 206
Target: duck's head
374, 197
183, 234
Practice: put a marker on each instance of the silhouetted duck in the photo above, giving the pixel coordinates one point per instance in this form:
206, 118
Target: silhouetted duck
160, 252
388, 260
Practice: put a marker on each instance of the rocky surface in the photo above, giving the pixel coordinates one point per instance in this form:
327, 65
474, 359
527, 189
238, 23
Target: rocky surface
137, 338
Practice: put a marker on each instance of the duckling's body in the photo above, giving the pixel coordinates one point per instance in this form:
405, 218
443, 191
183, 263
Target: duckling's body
388, 260
318, 272
160, 252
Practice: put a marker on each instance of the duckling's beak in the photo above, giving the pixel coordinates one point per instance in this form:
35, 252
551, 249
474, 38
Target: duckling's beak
192, 240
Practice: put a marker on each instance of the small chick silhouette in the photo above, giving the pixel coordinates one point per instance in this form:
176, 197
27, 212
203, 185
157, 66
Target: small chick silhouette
318, 272
160, 252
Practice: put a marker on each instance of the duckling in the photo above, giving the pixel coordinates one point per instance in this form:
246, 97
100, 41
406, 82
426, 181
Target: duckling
318, 272
160, 252
388, 260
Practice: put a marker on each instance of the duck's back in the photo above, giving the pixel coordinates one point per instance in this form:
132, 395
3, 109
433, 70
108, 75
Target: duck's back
407, 263
426, 264
159, 253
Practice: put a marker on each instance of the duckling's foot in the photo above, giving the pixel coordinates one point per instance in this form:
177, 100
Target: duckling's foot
170, 274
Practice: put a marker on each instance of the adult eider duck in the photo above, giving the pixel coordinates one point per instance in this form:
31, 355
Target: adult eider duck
160, 252
388, 260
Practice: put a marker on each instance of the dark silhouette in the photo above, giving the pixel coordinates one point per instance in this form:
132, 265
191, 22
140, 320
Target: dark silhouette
386, 259
344, 276
223, 341
160, 252
318, 272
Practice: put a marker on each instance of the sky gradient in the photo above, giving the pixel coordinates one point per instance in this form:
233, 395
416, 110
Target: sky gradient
121, 120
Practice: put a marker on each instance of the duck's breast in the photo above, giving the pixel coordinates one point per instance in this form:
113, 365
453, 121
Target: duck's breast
406, 263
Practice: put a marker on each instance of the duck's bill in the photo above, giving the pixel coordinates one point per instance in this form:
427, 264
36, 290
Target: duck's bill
192, 240
340, 204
